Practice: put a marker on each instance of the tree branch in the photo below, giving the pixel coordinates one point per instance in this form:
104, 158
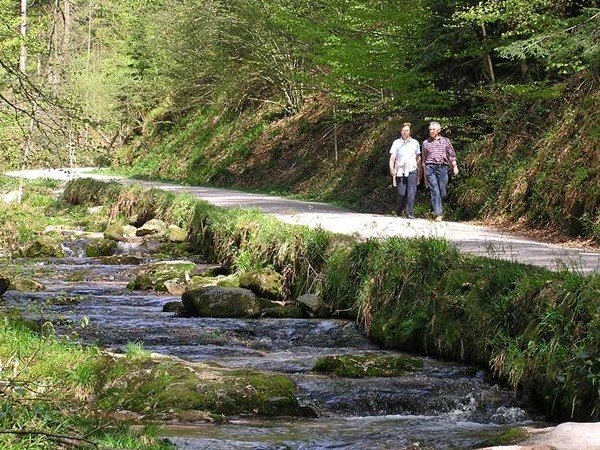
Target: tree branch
72, 440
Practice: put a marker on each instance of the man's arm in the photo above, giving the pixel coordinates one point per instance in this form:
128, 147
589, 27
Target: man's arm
451, 155
392, 164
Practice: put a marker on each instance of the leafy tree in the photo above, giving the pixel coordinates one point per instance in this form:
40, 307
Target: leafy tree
546, 37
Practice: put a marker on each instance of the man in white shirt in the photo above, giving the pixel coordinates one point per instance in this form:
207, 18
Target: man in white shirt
405, 161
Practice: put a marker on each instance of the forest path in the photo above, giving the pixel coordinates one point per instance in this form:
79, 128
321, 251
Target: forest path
473, 239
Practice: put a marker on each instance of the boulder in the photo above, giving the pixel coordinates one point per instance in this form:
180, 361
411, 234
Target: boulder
101, 247
314, 306
173, 306
154, 276
216, 301
264, 282
154, 227
366, 365
43, 246
175, 286
121, 260
175, 234
120, 232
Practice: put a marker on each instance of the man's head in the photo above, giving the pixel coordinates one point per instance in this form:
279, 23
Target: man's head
405, 130
434, 129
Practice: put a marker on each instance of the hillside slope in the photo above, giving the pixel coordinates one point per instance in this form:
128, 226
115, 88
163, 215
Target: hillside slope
535, 162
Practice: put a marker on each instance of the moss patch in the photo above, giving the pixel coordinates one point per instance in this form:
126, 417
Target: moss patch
369, 365
162, 388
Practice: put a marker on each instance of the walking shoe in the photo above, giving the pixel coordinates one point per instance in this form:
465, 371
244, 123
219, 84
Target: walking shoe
410, 216
438, 218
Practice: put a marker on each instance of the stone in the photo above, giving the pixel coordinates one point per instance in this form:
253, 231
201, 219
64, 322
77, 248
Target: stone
175, 234
314, 306
44, 246
101, 247
154, 227
173, 306
216, 301
565, 436
154, 276
264, 282
121, 260
119, 232
175, 286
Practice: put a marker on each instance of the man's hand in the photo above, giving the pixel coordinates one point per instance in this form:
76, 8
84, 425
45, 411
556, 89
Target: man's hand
455, 169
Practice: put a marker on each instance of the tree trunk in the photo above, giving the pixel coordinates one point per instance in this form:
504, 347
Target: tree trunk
23, 53
66, 43
89, 37
488, 58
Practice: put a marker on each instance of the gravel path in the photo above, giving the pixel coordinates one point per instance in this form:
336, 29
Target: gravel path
469, 238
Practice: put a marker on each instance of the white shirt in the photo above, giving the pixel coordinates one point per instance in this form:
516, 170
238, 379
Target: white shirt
406, 155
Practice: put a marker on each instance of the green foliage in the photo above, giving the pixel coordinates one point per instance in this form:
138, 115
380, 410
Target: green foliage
561, 35
48, 382
89, 192
543, 170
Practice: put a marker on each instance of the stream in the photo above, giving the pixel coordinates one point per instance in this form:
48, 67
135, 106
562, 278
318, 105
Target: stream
441, 405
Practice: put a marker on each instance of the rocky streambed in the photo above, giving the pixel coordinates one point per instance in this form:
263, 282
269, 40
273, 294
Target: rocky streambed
431, 404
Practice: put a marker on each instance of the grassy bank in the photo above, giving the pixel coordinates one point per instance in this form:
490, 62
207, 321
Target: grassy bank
46, 386
537, 330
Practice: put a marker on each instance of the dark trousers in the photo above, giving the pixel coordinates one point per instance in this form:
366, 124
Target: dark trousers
437, 179
407, 192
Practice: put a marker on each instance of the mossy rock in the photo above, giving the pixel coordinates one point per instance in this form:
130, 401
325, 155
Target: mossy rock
510, 436
173, 306
119, 232
314, 306
101, 247
229, 281
26, 285
154, 227
216, 301
264, 282
121, 260
44, 246
368, 365
154, 276
288, 311
197, 282
159, 388
175, 234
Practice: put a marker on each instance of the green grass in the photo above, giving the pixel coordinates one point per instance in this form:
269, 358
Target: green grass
47, 386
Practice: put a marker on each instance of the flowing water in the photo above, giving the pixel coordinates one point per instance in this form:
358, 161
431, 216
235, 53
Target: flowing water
440, 406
